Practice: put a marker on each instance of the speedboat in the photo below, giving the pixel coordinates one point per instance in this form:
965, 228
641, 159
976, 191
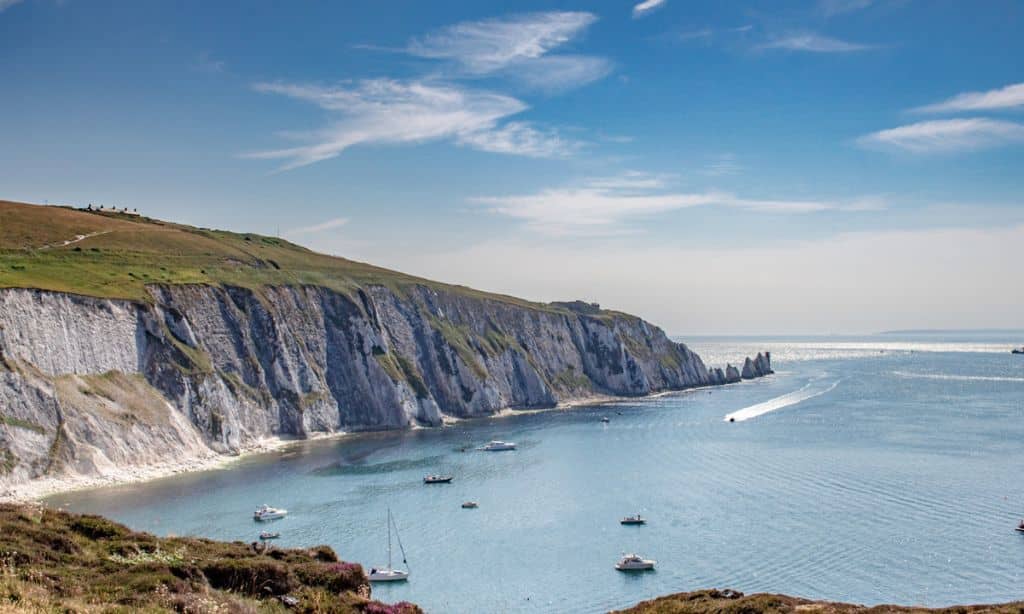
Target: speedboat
634, 562
498, 446
389, 573
470, 505
638, 519
268, 535
265, 512
437, 479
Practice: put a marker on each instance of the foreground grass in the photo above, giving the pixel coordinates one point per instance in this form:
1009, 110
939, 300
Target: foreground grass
733, 602
52, 561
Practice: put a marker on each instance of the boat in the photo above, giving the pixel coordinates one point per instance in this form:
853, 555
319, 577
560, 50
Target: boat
470, 505
1020, 527
498, 446
389, 573
605, 419
634, 562
268, 535
265, 512
637, 519
437, 479
1019, 350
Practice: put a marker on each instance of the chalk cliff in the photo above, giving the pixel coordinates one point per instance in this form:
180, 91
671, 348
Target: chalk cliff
176, 371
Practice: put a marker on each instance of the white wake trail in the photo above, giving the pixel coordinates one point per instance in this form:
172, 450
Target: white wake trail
811, 390
959, 378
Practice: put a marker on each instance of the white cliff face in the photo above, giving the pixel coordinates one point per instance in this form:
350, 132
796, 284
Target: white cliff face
89, 386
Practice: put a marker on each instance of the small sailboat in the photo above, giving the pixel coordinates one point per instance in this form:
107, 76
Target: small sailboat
265, 512
389, 573
497, 446
470, 505
637, 519
437, 479
634, 562
265, 535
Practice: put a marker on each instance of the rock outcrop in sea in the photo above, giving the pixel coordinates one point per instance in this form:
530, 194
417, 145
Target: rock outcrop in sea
89, 386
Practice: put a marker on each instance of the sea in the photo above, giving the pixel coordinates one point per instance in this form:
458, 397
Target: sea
876, 469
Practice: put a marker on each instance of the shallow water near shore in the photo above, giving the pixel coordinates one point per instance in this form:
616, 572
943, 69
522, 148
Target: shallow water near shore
875, 470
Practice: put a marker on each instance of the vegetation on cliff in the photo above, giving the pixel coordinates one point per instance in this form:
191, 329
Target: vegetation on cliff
53, 561
114, 255
734, 602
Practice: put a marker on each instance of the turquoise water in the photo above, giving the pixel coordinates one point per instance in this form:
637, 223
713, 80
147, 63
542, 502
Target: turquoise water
880, 469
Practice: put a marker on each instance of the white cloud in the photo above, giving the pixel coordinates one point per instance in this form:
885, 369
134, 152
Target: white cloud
646, 8
558, 73
853, 282
518, 46
493, 44
384, 111
814, 43
520, 138
839, 7
947, 135
315, 228
6, 4
607, 206
1007, 97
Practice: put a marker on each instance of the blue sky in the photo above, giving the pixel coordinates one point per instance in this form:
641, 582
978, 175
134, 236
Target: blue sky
817, 166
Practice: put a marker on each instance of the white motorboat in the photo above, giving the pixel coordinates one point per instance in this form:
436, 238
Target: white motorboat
389, 573
265, 512
634, 562
498, 446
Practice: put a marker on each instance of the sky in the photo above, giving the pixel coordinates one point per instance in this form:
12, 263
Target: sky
747, 167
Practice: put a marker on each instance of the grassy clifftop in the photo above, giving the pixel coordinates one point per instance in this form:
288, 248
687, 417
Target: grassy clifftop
52, 561
733, 602
113, 255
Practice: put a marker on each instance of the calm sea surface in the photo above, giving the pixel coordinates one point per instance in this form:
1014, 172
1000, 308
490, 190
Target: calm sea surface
876, 469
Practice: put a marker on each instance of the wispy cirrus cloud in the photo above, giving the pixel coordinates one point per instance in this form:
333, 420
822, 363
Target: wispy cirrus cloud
813, 43
647, 7
519, 47
386, 111
337, 222
607, 206
1008, 97
946, 135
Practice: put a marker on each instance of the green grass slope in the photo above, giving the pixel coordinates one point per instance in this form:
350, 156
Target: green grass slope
52, 561
113, 255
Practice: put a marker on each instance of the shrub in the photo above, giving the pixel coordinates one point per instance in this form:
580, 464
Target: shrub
97, 527
256, 577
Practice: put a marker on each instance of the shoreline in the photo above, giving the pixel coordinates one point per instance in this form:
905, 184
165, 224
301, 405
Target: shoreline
35, 491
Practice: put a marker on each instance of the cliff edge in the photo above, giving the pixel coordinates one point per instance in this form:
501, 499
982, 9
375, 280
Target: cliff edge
138, 343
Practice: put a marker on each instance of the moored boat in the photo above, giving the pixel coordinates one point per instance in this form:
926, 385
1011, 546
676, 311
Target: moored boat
389, 573
265, 535
265, 512
497, 446
634, 562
